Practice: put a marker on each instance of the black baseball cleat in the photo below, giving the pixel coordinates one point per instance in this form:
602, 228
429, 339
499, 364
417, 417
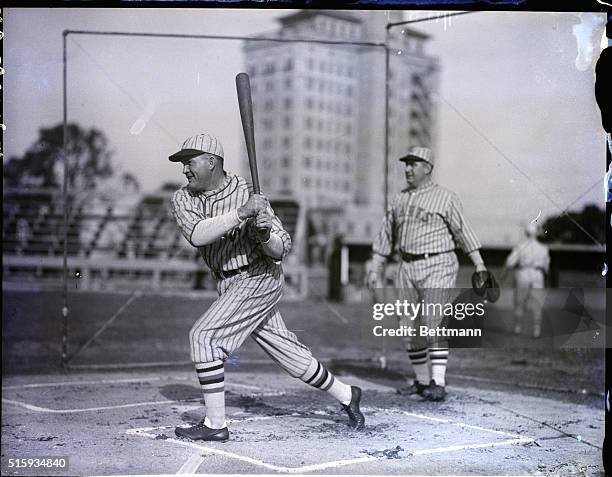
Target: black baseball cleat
201, 432
415, 388
433, 392
356, 418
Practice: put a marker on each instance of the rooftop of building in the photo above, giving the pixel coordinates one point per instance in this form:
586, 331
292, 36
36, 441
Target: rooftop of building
307, 14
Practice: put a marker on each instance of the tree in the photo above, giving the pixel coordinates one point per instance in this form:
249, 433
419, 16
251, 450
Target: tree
89, 160
561, 229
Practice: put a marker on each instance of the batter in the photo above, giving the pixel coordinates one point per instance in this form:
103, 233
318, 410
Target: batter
243, 243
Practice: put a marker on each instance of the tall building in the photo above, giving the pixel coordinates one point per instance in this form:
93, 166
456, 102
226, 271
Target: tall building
319, 111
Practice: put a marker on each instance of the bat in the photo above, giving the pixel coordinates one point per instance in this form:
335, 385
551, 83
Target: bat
245, 103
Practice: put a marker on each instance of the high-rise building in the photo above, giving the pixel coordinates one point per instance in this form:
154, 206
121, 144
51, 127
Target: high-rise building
319, 111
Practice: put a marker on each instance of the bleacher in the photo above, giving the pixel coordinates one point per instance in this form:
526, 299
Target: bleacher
109, 246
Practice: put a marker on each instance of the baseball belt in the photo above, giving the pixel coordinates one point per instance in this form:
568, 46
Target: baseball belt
411, 257
224, 274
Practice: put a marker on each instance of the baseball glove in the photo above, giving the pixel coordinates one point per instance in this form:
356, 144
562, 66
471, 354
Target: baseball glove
485, 285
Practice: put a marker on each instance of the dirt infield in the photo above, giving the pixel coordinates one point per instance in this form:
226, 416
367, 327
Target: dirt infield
113, 411
123, 423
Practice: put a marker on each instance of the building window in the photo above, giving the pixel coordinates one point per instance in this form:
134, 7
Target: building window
268, 105
285, 181
286, 142
288, 103
306, 182
286, 161
267, 144
287, 121
269, 85
269, 68
309, 103
288, 66
288, 83
307, 142
307, 162
309, 83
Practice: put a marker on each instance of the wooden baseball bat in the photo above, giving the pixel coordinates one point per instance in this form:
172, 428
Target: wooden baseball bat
245, 103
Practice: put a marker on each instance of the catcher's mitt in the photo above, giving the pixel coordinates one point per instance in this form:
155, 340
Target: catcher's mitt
485, 285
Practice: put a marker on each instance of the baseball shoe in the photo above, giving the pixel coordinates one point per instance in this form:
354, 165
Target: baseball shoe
415, 388
356, 418
433, 392
201, 432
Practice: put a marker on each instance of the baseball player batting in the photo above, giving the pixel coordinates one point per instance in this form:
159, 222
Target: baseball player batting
243, 243
425, 224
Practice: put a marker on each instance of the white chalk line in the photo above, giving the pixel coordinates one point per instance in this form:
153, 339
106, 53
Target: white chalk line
146, 432
439, 450
192, 464
258, 462
31, 407
118, 381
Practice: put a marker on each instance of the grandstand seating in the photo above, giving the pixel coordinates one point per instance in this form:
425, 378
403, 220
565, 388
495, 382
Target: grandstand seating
112, 243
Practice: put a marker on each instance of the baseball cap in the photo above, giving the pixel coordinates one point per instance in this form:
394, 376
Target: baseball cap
418, 153
196, 145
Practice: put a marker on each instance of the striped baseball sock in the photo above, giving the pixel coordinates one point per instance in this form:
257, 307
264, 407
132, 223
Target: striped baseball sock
319, 377
438, 358
418, 359
212, 381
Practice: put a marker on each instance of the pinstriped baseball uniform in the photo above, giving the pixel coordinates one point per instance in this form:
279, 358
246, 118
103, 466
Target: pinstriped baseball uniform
247, 300
422, 221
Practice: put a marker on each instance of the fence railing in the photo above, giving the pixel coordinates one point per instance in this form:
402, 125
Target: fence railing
113, 274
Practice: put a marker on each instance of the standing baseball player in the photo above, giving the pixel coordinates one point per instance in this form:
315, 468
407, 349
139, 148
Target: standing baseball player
425, 224
243, 243
530, 260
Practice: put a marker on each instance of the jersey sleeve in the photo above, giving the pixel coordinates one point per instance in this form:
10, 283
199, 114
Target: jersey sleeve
185, 213
460, 227
385, 240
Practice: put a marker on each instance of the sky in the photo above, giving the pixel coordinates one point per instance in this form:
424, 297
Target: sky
518, 136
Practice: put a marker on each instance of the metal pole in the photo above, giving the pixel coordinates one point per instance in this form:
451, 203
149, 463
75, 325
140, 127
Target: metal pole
64, 351
387, 67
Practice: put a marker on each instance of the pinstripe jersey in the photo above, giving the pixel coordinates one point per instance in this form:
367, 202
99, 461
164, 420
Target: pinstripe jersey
239, 247
428, 219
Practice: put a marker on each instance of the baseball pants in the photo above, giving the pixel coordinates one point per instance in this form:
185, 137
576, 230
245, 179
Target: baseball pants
430, 280
529, 293
247, 307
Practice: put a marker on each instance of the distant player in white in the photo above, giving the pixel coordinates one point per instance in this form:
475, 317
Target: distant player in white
530, 261
243, 243
425, 224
